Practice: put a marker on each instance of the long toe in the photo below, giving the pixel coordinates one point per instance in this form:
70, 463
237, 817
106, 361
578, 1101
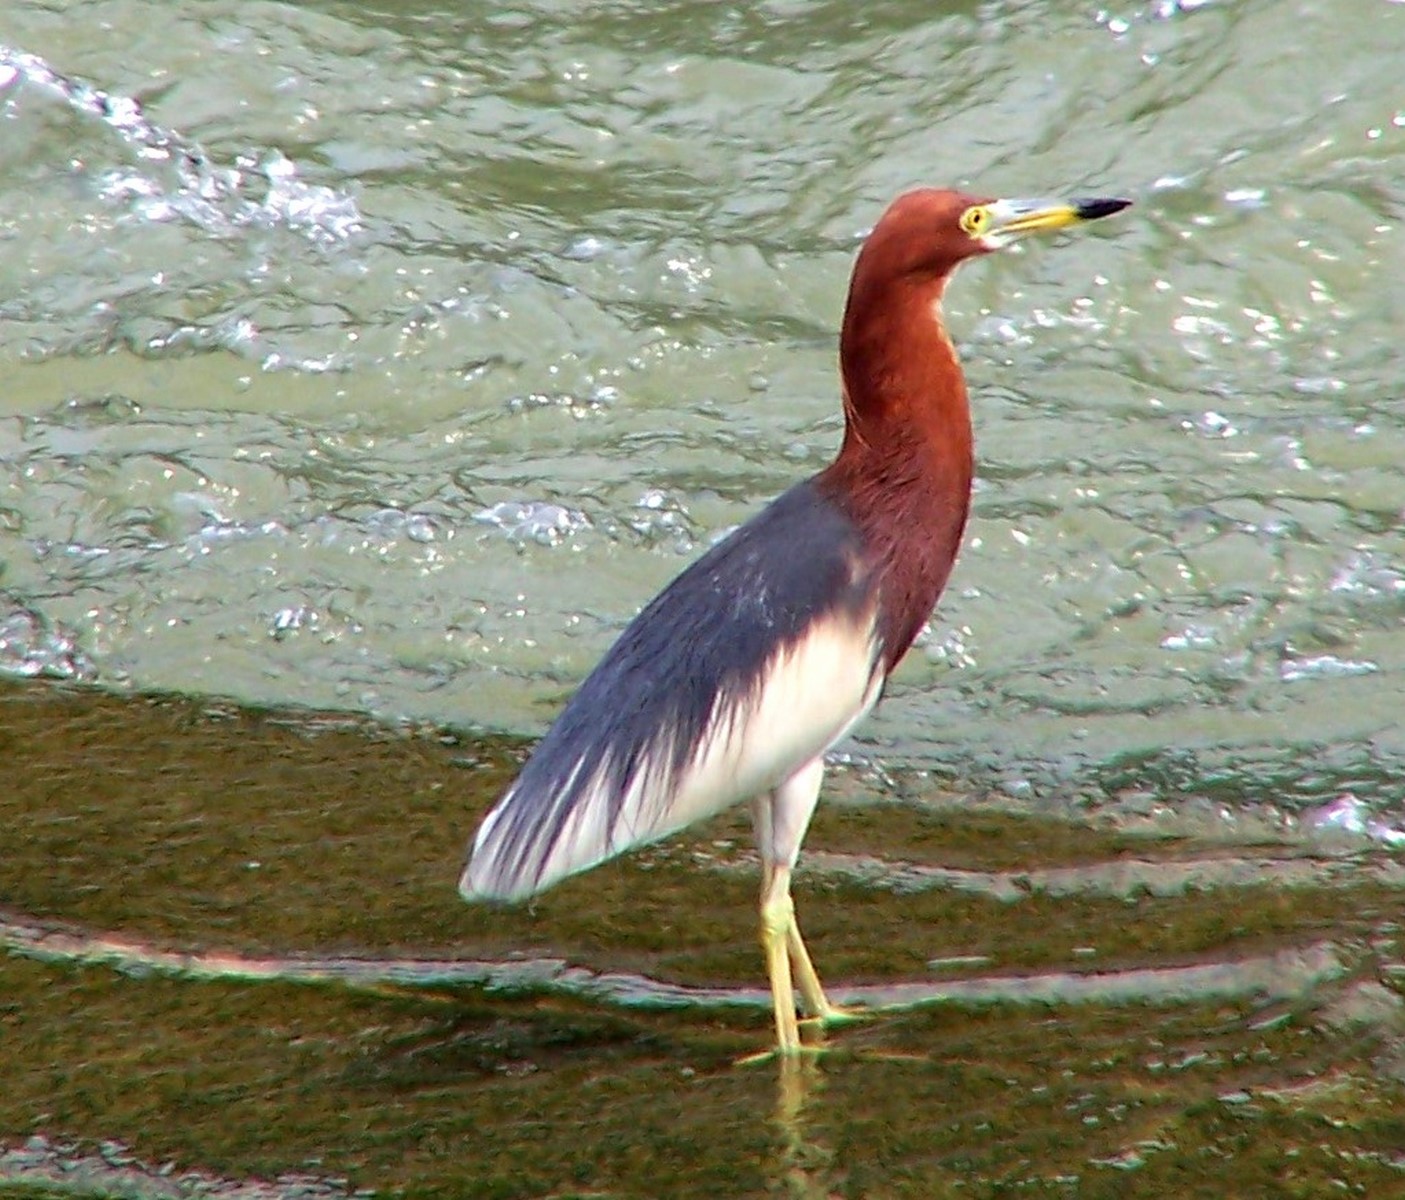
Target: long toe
830, 1015
795, 1054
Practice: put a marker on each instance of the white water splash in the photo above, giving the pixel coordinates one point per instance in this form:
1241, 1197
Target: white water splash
260, 189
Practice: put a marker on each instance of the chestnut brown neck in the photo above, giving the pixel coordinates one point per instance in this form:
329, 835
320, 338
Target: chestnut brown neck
904, 471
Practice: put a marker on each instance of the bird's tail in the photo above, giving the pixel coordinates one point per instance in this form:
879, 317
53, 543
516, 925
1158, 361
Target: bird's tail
487, 876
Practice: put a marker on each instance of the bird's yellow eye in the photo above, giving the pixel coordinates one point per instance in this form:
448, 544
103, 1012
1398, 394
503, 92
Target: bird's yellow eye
976, 220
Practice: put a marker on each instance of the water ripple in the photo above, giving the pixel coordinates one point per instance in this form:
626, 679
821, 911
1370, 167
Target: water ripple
1291, 973
46, 1164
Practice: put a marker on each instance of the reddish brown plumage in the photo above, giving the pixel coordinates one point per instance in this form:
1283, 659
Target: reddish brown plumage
904, 471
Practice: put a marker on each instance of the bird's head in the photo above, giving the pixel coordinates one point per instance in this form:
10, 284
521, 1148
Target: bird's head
927, 233
897, 362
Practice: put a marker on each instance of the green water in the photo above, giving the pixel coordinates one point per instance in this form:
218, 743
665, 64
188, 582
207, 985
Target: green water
385, 360
588, 261
233, 950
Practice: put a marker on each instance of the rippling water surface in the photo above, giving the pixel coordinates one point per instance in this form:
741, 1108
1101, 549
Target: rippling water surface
389, 358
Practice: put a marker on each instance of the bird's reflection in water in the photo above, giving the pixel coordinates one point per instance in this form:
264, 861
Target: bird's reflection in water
805, 1168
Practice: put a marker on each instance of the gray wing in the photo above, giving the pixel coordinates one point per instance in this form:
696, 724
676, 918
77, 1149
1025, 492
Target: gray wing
749, 664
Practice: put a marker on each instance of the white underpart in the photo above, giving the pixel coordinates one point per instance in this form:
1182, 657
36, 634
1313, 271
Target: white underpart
809, 696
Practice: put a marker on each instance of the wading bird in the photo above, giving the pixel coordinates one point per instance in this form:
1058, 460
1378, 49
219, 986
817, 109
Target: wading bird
736, 679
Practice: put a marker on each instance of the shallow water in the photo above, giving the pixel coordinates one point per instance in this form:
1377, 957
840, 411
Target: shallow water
234, 964
386, 360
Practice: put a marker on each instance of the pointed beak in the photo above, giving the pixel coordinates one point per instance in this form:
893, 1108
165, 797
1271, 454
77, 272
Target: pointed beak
1012, 219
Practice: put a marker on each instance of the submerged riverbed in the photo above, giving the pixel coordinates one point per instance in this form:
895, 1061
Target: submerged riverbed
233, 950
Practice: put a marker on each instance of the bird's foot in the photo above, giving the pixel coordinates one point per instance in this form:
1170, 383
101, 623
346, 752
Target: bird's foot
830, 1015
788, 1054
813, 1052
827, 1017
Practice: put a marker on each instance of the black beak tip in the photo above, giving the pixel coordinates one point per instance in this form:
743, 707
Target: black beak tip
1092, 209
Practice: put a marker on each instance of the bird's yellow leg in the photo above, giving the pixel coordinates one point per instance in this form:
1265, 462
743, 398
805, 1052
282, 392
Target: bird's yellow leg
817, 1004
780, 818
777, 920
